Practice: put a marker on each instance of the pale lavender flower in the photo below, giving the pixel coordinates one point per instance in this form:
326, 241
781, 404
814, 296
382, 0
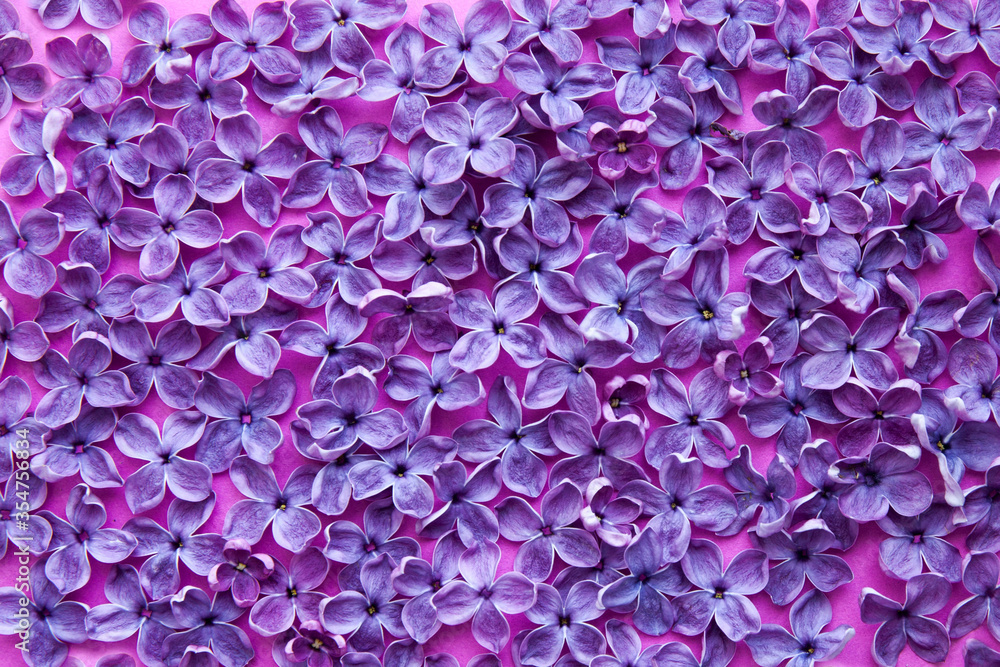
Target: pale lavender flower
882, 419
707, 69
312, 87
164, 47
36, 133
241, 573
251, 339
325, 234
861, 272
400, 468
978, 207
864, 84
265, 269
607, 456
492, 327
625, 644
86, 304
787, 119
924, 217
23, 246
26, 82
419, 580
32, 533
529, 261
314, 20
836, 351
982, 313
610, 517
923, 352
25, 341
56, 15
976, 89
479, 46
553, 26
111, 142
717, 650
625, 216
290, 594
685, 129
735, 19
649, 19
836, 13
169, 154
886, 478
443, 385
703, 229
970, 28
399, 261
349, 544
204, 622
898, 45
73, 449
158, 364
822, 502
476, 139
646, 77
802, 556
977, 654
807, 643
187, 288
251, 42
909, 622
363, 611
972, 364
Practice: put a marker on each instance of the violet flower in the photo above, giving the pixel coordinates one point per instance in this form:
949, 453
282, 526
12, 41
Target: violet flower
165, 548
311, 644
400, 468
85, 303
747, 375
167, 151
610, 517
826, 191
834, 14
717, 650
138, 437
549, 533
101, 14
23, 246
26, 82
684, 129
883, 419
349, 544
251, 42
572, 142
886, 478
419, 580
479, 46
553, 26
624, 397
363, 612
314, 20
898, 45
806, 644
421, 311
861, 272
649, 19
913, 541
188, 288
241, 572
646, 76
801, 553
73, 449
924, 217
621, 149
312, 87
982, 313
770, 493
981, 514
32, 533
25, 341
917, 344
864, 85
111, 141
325, 234
980, 572
977, 206
702, 229
787, 119
972, 364
165, 46
721, 594
290, 594
484, 598
494, 327
204, 622
398, 261
607, 456
563, 620
909, 622
707, 69
977, 654
36, 133
157, 365
336, 426
822, 502
734, 18
976, 89
836, 351
465, 138
256, 350
529, 261
625, 644
266, 269
970, 28
695, 409
443, 386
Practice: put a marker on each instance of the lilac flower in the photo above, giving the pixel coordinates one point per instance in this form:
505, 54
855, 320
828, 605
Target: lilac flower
311, 644
312, 87
721, 593
204, 622
707, 69
621, 149
756, 195
861, 272
32, 533
241, 572
608, 456
807, 644
702, 229
242, 423
786, 308
705, 318
680, 503
198, 99
363, 612
943, 136
398, 261
624, 397
293, 527
138, 436
696, 411
256, 350
826, 191
836, 14
646, 76
836, 351
111, 142
81, 535
346, 543
517, 445
491, 328
568, 375
649, 19
788, 119
980, 572
165, 549
266, 269
479, 46
717, 650
913, 541
83, 376
981, 313
972, 364
102, 14
555, 88
606, 570
910, 622
400, 469
898, 45
883, 419
85, 304
290, 593
421, 311
128, 612
166, 149
251, 41
22, 249
980, 512
444, 386
73, 449
25, 82
335, 173
886, 478
156, 365
25, 341
553, 26
920, 348
82, 67
977, 207
923, 219
165, 46
247, 167
734, 18
975, 89
610, 517
625, 644
970, 28
563, 620
538, 264
643, 592
822, 502
684, 129
476, 139
52, 621
801, 553
792, 48
314, 20
573, 143
977, 654
36, 134
484, 598
864, 85
419, 580
325, 235
188, 288
747, 375
770, 493
549, 533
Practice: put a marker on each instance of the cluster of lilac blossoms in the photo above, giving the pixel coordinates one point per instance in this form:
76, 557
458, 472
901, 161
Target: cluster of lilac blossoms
514, 287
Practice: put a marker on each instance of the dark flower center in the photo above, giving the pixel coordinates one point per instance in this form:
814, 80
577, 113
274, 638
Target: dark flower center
693, 420
719, 593
249, 165
546, 530
877, 179
204, 95
251, 47
372, 610
755, 194
499, 329
3, 430
622, 147
614, 401
78, 447
707, 314
400, 470
564, 621
166, 47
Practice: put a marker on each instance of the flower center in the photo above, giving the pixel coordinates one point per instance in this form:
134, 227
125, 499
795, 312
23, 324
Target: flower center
622, 147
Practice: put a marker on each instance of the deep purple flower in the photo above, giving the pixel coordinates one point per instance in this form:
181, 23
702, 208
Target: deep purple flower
313, 645
83, 68
977, 206
349, 544
970, 28
363, 611
883, 419
787, 119
164, 549
806, 644
786, 307
910, 622
702, 229
165, 46
563, 619
980, 572
111, 141
836, 351
86, 304
138, 436
25, 82
443, 385
977, 654
747, 374
204, 622
419, 580
494, 327
610, 517
607, 456
624, 397
735, 19
720, 594
982, 312
825, 188
73, 449
553, 26
81, 535
972, 364
836, 13
707, 69
290, 593
251, 42
980, 511
422, 311
619, 150
801, 553
543, 535
769, 492
685, 129
822, 502
22, 249
188, 288
924, 217
886, 478
479, 46
314, 20
36, 134
536, 263
241, 573
913, 541
695, 410
624, 642
476, 139
265, 269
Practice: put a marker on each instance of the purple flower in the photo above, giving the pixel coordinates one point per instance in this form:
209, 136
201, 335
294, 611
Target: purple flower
981, 313
325, 235
702, 229
609, 516
419, 580
81, 535
242, 423
25, 82
747, 375
886, 478
625, 644
398, 261
644, 591
479, 46
883, 419
684, 129
422, 311
538, 264
924, 217
346, 543
898, 45
807, 644
312, 87
695, 410
82, 67
607, 456
189, 289
980, 572
165, 549
836, 13
970, 29
83, 376
910, 622
484, 598
25, 341
786, 307
913, 541
335, 173
494, 327
717, 650
707, 69
825, 190
36, 134
165, 46
921, 349
86, 304
290, 593
704, 319
553, 26
156, 365
363, 611
770, 493
111, 142
978, 654
444, 386
861, 272
864, 84
646, 75
621, 149
314, 20
801, 553
474, 139
138, 436
563, 620
73, 449
649, 19
22, 249
256, 350
32, 533
168, 153
251, 42
624, 397
102, 14
975, 89
204, 622
979, 511
836, 351
517, 445
734, 18
52, 621
241, 572
266, 269
822, 503
549, 533
720, 594
788, 119
977, 207
972, 364
128, 611
311, 644
400, 468
198, 99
